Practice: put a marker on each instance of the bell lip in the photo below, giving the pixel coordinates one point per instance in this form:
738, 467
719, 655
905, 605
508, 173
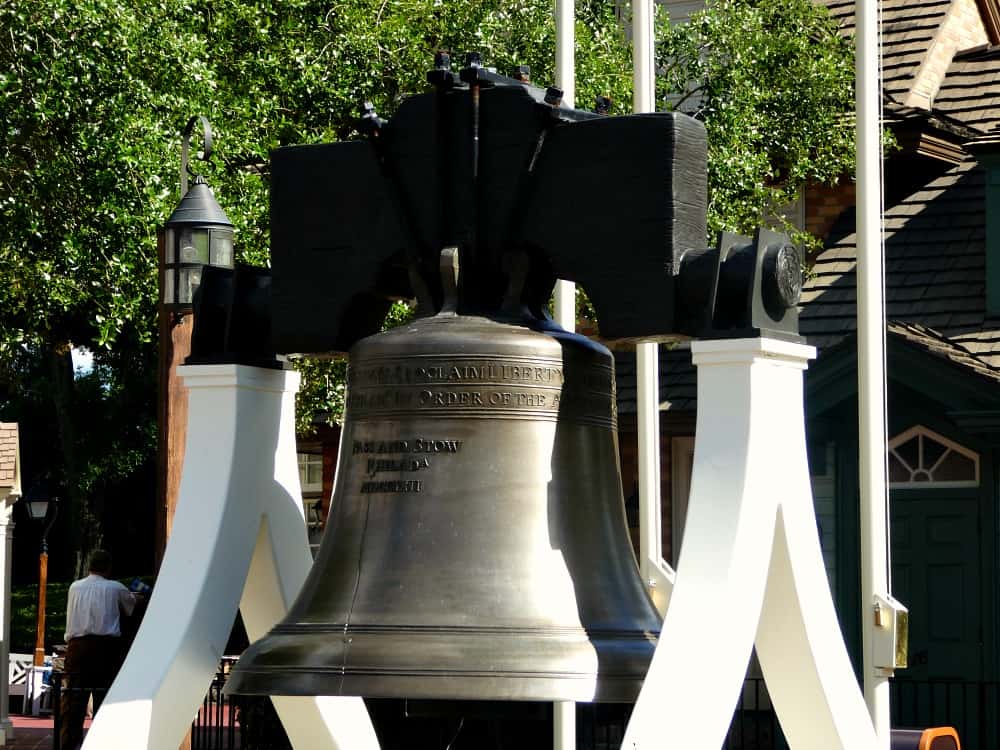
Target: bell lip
558, 664
445, 687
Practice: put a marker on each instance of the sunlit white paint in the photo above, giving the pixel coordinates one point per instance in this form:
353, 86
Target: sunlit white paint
239, 540
750, 571
871, 362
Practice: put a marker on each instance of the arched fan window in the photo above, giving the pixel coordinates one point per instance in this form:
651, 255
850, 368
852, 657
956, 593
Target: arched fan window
920, 458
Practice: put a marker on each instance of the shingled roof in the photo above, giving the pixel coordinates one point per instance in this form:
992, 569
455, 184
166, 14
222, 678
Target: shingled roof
970, 91
908, 27
678, 381
937, 345
9, 476
935, 269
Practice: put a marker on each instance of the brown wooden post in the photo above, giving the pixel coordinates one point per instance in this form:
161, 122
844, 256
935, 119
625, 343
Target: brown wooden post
43, 575
175, 346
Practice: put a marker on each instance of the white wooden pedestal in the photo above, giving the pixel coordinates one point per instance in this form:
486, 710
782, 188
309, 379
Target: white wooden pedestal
239, 540
750, 570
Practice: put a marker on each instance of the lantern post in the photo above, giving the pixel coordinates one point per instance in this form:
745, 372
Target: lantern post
43, 509
197, 234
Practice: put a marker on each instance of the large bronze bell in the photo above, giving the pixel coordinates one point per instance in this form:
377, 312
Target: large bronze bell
477, 543
477, 546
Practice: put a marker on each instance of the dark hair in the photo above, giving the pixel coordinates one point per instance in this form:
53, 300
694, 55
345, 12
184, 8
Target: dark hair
100, 562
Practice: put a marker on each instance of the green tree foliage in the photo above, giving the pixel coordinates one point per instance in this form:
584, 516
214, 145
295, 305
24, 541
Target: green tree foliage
324, 381
773, 81
93, 95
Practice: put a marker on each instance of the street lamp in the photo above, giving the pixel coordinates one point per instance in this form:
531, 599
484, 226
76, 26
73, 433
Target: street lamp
42, 508
197, 234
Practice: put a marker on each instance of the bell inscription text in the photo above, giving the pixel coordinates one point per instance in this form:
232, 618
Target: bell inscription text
399, 457
480, 387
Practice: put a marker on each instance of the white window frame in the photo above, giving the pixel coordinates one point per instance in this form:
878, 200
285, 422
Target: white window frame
312, 493
950, 445
305, 461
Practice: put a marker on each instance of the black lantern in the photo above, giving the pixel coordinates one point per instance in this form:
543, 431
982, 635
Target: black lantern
197, 234
37, 502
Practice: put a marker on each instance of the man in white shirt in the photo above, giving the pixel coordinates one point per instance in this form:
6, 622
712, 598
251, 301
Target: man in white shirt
94, 608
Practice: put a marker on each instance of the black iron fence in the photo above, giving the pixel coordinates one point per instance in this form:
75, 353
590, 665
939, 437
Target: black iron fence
972, 707
600, 726
216, 726
249, 723
755, 725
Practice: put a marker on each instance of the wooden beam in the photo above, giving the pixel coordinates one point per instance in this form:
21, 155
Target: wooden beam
989, 11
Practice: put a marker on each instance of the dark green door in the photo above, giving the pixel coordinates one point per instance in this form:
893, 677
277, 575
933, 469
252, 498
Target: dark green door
936, 567
936, 573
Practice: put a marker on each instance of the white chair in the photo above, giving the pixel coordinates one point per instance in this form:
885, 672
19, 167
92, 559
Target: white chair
17, 677
38, 695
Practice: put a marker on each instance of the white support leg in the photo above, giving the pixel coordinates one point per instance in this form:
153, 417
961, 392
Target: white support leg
751, 556
238, 512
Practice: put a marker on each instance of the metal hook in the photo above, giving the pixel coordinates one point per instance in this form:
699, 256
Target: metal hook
206, 139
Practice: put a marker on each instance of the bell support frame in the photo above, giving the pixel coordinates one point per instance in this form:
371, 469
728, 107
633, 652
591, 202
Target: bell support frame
750, 571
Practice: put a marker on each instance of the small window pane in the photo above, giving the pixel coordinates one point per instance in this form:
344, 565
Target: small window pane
955, 468
168, 246
909, 452
168, 286
933, 450
222, 248
194, 246
314, 513
311, 471
314, 473
189, 280
897, 472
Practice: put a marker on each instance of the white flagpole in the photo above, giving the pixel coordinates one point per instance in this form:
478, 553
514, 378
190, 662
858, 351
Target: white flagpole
565, 293
871, 362
564, 308
657, 576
